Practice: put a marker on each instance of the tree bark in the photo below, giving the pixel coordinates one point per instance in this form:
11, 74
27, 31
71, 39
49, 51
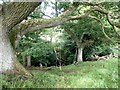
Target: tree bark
80, 54
16, 12
9, 17
6, 52
8, 58
24, 60
28, 61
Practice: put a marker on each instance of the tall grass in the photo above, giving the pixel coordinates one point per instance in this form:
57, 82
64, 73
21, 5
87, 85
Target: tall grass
98, 74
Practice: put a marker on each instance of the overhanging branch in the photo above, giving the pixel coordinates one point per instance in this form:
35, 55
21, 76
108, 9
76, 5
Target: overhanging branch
103, 30
114, 28
37, 24
113, 22
97, 7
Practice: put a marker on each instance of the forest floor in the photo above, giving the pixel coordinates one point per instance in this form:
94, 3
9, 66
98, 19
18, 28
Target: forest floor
97, 74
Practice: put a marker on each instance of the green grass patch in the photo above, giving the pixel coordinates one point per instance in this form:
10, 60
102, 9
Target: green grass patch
97, 74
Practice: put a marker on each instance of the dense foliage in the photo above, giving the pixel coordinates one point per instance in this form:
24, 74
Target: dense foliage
42, 50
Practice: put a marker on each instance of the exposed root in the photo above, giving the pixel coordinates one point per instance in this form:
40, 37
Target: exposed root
19, 69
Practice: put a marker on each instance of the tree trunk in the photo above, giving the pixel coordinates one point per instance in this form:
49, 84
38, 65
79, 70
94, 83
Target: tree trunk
10, 15
24, 60
28, 61
6, 52
75, 57
8, 58
80, 54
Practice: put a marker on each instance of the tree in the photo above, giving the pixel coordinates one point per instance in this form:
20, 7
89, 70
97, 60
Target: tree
78, 31
10, 15
34, 45
87, 31
13, 26
82, 35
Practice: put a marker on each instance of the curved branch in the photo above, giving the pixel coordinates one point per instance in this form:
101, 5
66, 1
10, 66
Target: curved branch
37, 24
107, 13
112, 24
103, 28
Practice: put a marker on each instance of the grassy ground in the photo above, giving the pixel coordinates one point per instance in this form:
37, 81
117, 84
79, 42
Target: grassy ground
98, 74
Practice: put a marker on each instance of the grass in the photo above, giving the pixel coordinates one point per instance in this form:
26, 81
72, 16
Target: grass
98, 74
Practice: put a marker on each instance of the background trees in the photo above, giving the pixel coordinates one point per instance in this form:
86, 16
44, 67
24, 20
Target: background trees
80, 40
14, 26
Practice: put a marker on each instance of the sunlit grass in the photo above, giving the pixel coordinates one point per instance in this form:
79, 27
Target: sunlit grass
98, 74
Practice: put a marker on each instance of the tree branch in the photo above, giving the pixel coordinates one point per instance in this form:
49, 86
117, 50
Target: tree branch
97, 7
114, 22
114, 28
37, 24
103, 30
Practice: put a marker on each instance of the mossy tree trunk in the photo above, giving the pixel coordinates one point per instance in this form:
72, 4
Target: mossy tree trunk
6, 52
24, 60
10, 15
8, 58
